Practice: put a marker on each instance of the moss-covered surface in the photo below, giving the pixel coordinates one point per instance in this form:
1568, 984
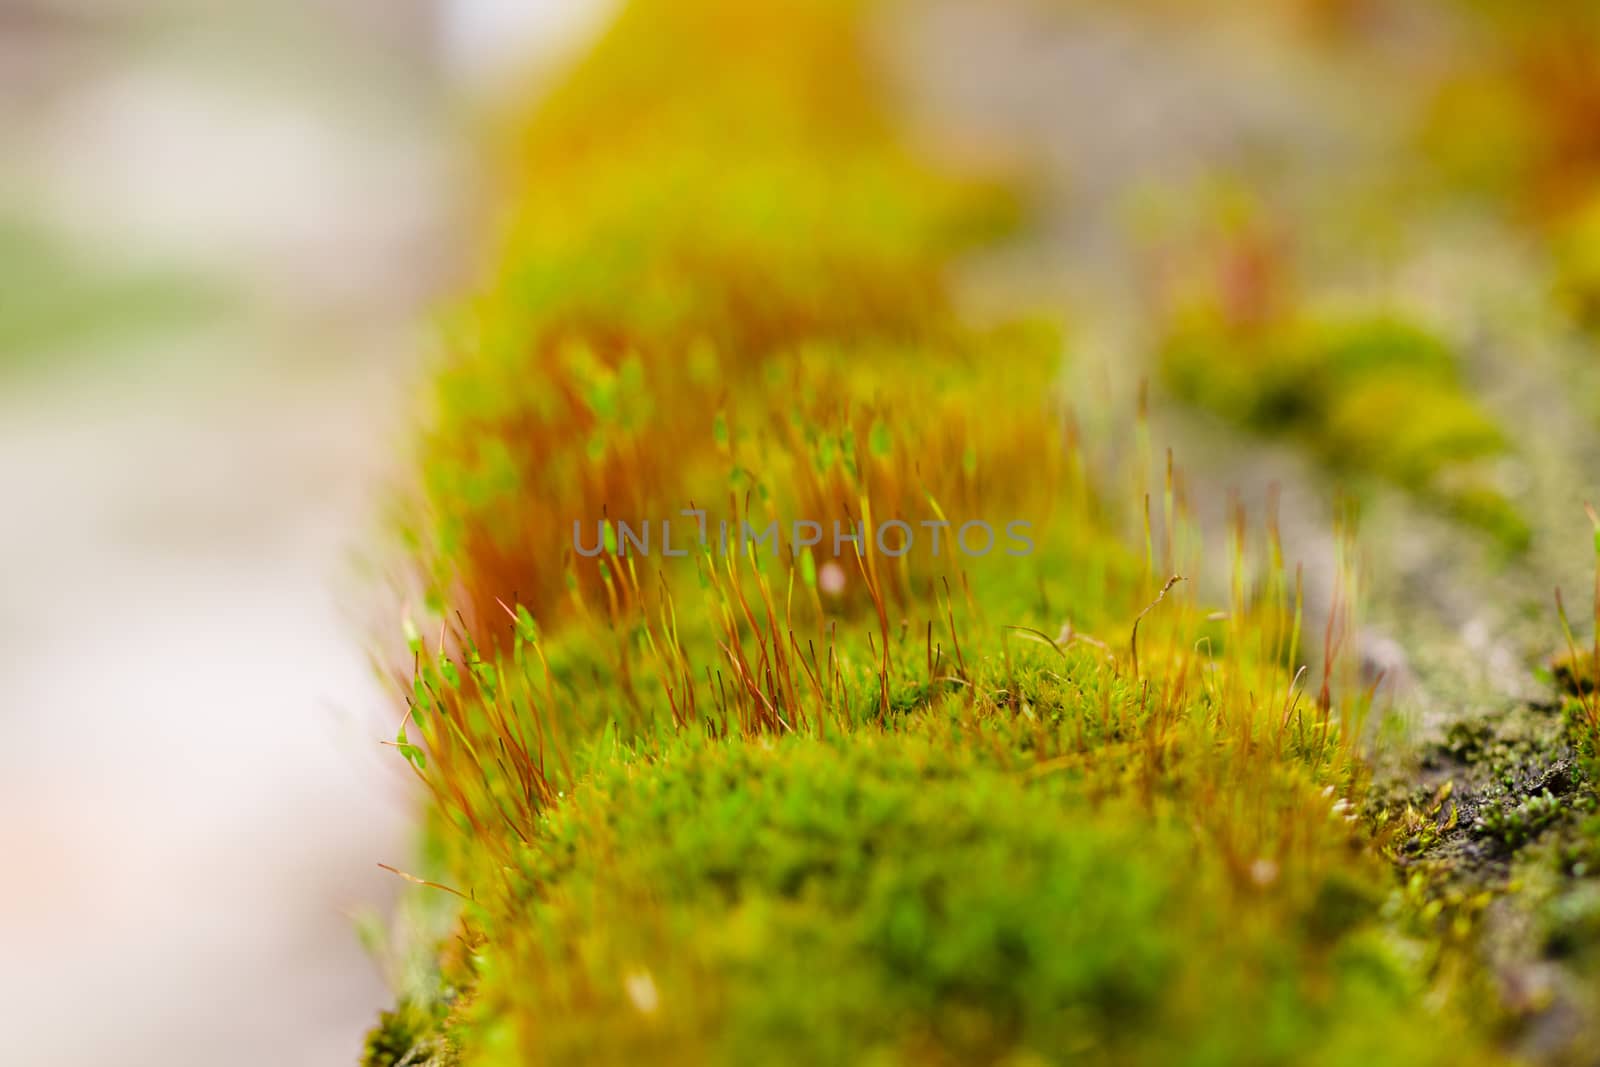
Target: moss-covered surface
755, 804
1497, 839
1375, 395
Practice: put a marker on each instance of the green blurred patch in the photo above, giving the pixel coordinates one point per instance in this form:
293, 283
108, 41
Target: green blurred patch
59, 297
1374, 394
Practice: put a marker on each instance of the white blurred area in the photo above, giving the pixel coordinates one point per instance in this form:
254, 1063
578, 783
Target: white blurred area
489, 45
194, 797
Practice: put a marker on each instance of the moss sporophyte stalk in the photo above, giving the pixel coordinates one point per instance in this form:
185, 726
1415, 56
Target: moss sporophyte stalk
893, 538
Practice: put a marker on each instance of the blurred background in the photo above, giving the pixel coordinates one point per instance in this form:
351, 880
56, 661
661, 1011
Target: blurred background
223, 229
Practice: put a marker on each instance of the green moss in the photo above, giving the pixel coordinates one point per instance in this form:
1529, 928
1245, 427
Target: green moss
408, 1036
1517, 824
899, 898
738, 807
1378, 396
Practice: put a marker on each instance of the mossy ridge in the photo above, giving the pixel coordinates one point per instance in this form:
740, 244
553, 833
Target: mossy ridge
735, 209
646, 837
917, 882
628, 764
